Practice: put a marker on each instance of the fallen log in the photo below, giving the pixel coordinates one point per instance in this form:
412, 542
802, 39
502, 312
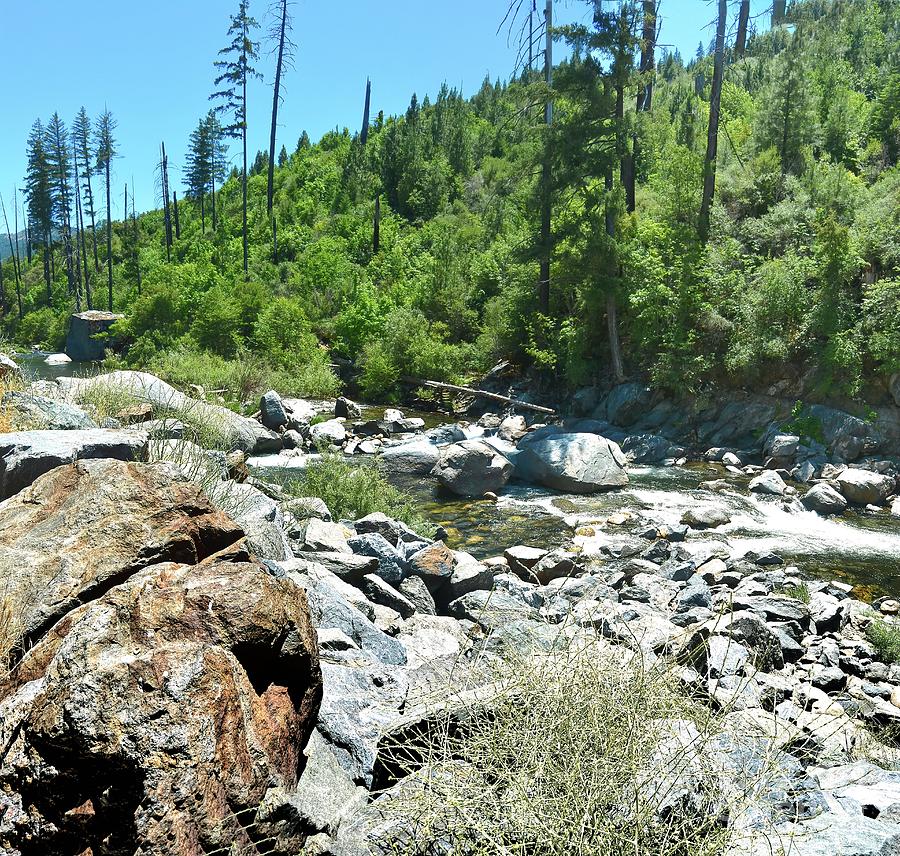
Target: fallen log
466, 390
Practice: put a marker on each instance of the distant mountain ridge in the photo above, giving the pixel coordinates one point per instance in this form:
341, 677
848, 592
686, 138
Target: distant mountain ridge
6, 251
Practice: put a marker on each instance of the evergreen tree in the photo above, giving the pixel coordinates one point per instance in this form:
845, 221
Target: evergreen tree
786, 118
283, 157
198, 167
60, 162
82, 144
38, 191
106, 151
234, 75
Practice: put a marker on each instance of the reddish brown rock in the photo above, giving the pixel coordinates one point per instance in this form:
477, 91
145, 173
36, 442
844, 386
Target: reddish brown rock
155, 718
84, 527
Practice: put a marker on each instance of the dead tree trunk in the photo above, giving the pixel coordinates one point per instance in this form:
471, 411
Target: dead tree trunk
546, 175
740, 42
712, 137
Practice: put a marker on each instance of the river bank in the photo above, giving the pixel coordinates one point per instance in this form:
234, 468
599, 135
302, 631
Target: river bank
767, 698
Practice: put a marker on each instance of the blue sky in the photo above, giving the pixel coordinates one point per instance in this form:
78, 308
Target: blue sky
151, 64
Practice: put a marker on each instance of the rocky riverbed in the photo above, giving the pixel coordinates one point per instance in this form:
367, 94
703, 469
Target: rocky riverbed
187, 679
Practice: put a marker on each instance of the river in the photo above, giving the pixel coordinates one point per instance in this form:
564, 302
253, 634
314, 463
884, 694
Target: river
860, 548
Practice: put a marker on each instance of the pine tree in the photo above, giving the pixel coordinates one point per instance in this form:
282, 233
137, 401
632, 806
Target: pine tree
106, 151
40, 197
83, 144
198, 167
234, 75
283, 157
59, 158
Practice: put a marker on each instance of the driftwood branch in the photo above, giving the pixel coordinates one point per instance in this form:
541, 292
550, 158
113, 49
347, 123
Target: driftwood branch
466, 390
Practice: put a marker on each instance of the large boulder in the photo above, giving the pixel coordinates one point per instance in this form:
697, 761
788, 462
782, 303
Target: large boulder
86, 337
418, 457
626, 403
271, 410
863, 487
26, 455
37, 411
156, 718
823, 499
231, 429
81, 528
575, 463
472, 468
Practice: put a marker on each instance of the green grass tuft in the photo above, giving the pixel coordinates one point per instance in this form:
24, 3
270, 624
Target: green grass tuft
354, 490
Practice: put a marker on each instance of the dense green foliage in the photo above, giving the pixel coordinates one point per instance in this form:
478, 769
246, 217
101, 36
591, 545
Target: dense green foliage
802, 267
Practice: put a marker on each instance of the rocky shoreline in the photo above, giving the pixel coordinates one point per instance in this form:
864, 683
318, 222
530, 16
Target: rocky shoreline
187, 680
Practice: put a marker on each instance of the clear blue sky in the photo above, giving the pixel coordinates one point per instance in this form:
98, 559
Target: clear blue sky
151, 64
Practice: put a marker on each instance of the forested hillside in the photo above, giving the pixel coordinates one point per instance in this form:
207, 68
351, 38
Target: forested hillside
414, 245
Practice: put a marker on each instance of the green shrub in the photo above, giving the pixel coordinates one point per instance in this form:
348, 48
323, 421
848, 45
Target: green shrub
886, 639
354, 490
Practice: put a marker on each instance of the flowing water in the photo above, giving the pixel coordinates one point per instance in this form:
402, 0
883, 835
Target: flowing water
860, 548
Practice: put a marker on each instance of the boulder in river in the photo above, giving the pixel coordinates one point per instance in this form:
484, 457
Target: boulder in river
768, 482
472, 468
823, 499
863, 487
417, 457
85, 339
574, 463
706, 517
271, 410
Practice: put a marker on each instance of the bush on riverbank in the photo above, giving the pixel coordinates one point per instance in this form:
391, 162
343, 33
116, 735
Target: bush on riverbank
886, 639
354, 490
583, 751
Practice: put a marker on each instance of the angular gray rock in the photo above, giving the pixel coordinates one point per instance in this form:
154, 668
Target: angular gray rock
272, 413
47, 413
391, 564
26, 455
472, 468
84, 341
574, 463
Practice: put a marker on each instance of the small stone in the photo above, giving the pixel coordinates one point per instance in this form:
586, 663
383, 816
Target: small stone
889, 607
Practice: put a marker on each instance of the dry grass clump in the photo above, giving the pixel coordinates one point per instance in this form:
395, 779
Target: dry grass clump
12, 382
585, 751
